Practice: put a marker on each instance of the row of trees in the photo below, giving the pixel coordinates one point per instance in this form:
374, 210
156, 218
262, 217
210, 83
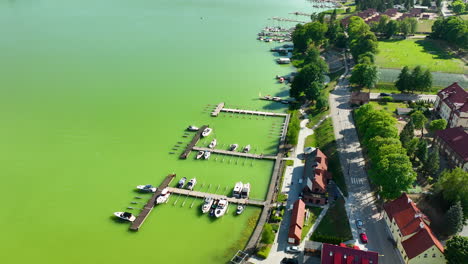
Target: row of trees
452, 29
391, 167
415, 80
389, 28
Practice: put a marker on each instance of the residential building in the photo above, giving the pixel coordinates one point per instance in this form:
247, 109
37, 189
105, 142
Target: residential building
332, 254
453, 144
409, 228
359, 98
296, 223
452, 105
316, 177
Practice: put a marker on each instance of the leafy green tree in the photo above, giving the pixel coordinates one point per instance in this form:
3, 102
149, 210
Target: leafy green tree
382, 25
438, 124
307, 75
313, 91
391, 28
431, 165
267, 235
407, 133
452, 29
419, 120
426, 3
405, 27
426, 81
438, 3
454, 219
454, 187
404, 82
322, 102
364, 43
413, 24
421, 151
367, 57
412, 147
380, 146
456, 250
458, 7
364, 75
416, 76
333, 15
357, 27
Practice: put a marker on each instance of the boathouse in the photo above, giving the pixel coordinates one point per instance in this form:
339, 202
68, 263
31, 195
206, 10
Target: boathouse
316, 176
297, 222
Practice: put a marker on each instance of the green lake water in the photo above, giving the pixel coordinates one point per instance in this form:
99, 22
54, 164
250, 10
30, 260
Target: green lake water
93, 97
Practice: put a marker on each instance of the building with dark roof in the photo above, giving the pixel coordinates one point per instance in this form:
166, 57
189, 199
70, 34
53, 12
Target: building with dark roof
453, 144
452, 105
332, 254
316, 177
410, 230
296, 223
359, 98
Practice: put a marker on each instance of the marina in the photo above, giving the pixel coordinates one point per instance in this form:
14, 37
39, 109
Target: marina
220, 108
204, 195
235, 153
192, 143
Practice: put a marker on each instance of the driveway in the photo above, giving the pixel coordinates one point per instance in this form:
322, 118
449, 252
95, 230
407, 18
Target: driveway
444, 10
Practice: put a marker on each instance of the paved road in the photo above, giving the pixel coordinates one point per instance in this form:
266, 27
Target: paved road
360, 203
445, 11
407, 97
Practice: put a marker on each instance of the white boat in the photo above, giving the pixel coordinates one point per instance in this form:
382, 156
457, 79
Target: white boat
206, 132
246, 149
240, 209
181, 182
213, 143
192, 128
245, 191
233, 147
146, 188
207, 155
207, 205
163, 197
237, 189
283, 61
125, 216
191, 183
222, 208
200, 154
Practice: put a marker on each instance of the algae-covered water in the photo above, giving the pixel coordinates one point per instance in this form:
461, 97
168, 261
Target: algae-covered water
95, 94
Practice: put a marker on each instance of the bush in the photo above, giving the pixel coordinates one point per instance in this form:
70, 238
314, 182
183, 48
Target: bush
282, 197
386, 99
327, 239
275, 228
293, 128
267, 235
264, 251
289, 162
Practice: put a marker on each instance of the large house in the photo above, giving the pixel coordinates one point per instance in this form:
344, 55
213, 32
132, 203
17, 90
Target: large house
296, 223
453, 143
409, 228
332, 254
452, 105
316, 177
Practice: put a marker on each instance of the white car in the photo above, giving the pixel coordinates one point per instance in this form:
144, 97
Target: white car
293, 249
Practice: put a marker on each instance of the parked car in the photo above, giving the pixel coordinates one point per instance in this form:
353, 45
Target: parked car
359, 223
363, 237
289, 261
385, 94
293, 249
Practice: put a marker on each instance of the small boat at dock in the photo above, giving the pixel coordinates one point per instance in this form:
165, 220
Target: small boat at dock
222, 208
207, 205
200, 154
283, 61
213, 207
240, 209
207, 155
212, 143
146, 188
246, 149
163, 197
181, 182
233, 147
125, 216
191, 183
236, 192
207, 132
245, 191
192, 128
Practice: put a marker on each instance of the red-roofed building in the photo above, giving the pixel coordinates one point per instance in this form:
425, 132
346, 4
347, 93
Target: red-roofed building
316, 177
410, 229
452, 105
297, 222
332, 254
453, 143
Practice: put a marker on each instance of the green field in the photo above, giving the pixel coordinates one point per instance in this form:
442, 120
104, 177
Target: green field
334, 224
413, 52
425, 25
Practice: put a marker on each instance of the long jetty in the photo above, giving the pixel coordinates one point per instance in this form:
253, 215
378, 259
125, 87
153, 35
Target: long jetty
192, 143
235, 153
215, 196
150, 204
220, 108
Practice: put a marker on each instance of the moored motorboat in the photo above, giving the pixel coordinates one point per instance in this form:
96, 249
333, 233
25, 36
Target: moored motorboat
212, 143
191, 183
200, 154
125, 216
192, 128
246, 149
207, 155
213, 207
181, 182
163, 197
245, 191
240, 209
207, 205
222, 207
237, 189
233, 147
146, 188
207, 132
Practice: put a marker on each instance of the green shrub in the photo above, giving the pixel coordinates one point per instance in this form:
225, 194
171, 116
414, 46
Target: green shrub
267, 235
327, 239
264, 251
282, 197
289, 162
275, 227
386, 99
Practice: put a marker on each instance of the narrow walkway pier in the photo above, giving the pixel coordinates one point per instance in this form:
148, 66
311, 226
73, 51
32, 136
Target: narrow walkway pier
192, 143
150, 204
250, 112
215, 196
217, 109
235, 153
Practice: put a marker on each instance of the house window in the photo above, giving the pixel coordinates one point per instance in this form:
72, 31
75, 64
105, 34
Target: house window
425, 255
433, 255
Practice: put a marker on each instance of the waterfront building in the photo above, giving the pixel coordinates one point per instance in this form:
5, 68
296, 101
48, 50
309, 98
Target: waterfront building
316, 177
453, 144
451, 104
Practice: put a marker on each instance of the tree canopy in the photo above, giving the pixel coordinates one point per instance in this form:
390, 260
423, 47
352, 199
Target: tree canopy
454, 187
456, 250
454, 219
452, 29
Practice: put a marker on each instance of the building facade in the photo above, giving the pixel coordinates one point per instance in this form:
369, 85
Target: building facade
453, 144
451, 104
296, 223
316, 177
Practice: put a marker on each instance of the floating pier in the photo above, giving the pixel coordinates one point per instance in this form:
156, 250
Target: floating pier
217, 109
150, 204
192, 143
249, 112
215, 196
235, 153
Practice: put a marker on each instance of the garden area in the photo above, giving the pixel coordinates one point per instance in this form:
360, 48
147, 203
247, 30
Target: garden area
334, 227
413, 52
312, 213
389, 107
390, 88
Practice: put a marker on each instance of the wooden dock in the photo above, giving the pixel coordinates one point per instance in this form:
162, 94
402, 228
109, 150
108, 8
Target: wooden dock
217, 109
215, 196
150, 204
235, 153
250, 112
192, 143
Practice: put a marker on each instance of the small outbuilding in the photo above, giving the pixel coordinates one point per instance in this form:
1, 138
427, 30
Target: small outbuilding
359, 98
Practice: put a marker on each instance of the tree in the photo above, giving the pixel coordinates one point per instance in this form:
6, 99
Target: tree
403, 82
413, 24
306, 76
412, 147
431, 165
416, 76
267, 235
364, 75
452, 29
407, 133
454, 219
382, 25
454, 187
333, 15
313, 91
458, 7
421, 151
405, 27
426, 81
426, 3
391, 28
438, 124
367, 57
438, 3
456, 250
419, 120
322, 102
364, 43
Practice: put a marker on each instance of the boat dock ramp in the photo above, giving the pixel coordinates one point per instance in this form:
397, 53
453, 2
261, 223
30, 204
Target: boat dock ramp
140, 219
192, 143
214, 196
235, 153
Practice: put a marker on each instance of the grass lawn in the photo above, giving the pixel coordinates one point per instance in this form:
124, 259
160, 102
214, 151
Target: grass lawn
324, 139
413, 52
335, 223
390, 88
425, 25
389, 107
314, 212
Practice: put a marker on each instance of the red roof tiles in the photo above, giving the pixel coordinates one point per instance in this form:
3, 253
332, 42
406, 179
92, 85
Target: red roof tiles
457, 139
420, 242
455, 97
332, 254
297, 221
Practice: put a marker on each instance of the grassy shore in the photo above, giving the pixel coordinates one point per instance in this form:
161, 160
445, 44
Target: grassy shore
390, 88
